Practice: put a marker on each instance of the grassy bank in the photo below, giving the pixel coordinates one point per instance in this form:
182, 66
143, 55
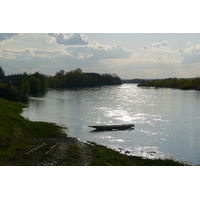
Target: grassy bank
17, 134
27, 143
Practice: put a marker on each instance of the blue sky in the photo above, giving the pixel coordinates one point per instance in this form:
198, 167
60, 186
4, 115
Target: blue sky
129, 55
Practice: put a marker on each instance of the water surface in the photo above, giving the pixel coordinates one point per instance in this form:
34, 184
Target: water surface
166, 120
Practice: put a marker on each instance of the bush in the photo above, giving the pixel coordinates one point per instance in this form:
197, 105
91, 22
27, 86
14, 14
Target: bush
11, 93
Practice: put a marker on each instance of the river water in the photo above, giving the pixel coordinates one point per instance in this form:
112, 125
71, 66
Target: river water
167, 121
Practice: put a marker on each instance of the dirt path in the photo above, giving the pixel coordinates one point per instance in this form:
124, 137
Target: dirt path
67, 151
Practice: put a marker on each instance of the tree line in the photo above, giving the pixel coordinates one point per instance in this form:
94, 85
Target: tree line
37, 82
183, 84
77, 78
135, 80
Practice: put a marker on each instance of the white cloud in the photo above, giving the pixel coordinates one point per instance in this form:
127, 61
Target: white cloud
21, 55
79, 47
96, 51
160, 57
31, 59
191, 54
45, 53
160, 46
31, 53
190, 49
7, 37
73, 39
144, 48
49, 61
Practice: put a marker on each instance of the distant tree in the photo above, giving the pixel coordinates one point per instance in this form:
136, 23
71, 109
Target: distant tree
184, 84
77, 78
61, 73
78, 70
2, 73
54, 82
157, 83
25, 88
43, 80
35, 84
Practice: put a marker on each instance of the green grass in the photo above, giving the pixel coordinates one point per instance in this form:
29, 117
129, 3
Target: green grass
72, 156
16, 132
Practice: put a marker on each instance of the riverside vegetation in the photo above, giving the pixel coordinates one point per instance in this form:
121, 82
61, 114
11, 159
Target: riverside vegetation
34, 83
184, 84
27, 143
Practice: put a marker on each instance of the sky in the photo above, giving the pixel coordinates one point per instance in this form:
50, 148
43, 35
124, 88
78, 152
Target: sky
129, 55
140, 39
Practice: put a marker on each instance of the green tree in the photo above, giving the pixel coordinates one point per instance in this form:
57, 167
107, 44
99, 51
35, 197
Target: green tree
157, 83
61, 73
43, 80
35, 84
2, 73
25, 88
54, 82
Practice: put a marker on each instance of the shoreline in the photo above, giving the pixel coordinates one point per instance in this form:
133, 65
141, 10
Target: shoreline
27, 143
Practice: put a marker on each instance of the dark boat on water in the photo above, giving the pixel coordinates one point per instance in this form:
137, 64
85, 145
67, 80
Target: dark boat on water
113, 127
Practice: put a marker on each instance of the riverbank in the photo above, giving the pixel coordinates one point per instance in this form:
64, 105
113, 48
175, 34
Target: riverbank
27, 143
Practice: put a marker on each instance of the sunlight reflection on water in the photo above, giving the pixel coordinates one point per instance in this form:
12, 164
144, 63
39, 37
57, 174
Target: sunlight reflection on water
160, 128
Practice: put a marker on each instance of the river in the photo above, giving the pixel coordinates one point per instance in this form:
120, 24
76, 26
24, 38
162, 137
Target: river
167, 121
